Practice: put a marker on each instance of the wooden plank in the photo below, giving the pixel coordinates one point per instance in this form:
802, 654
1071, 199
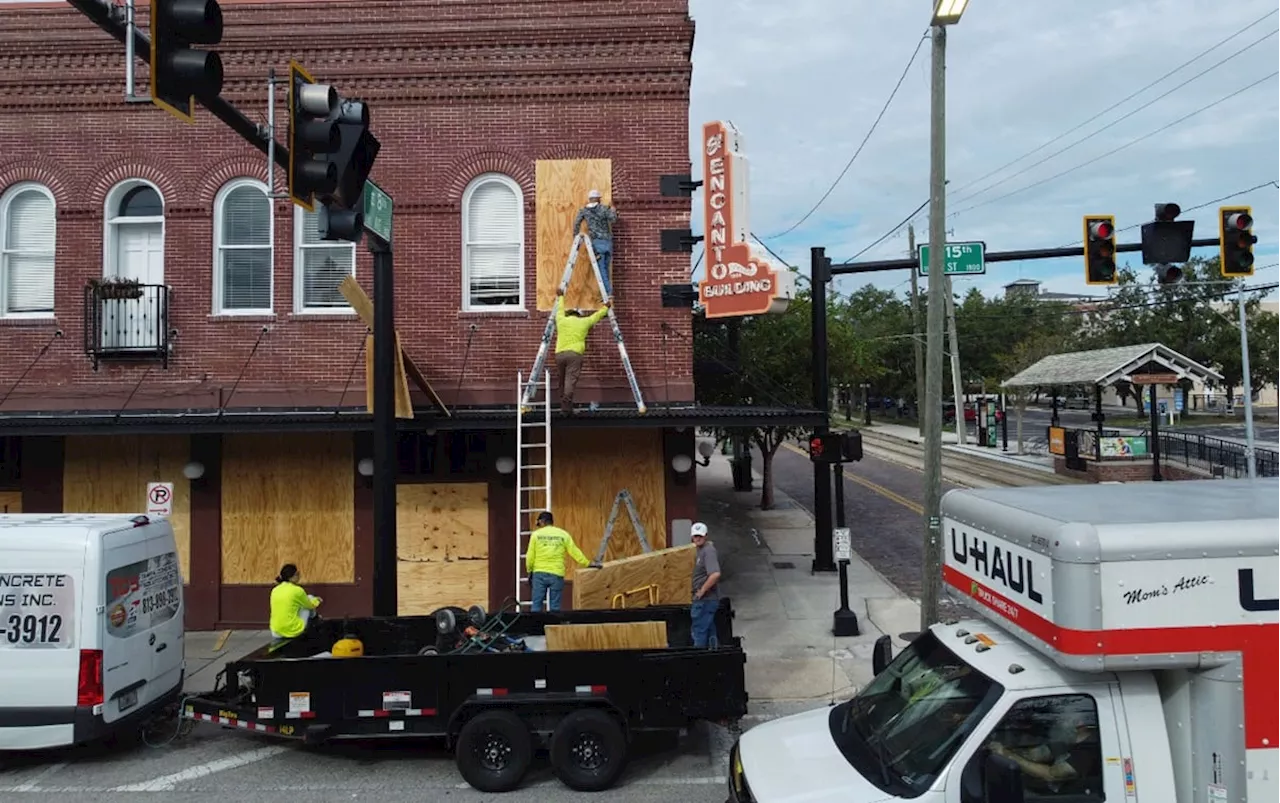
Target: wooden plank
404, 405
10, 501
671, 570
442, 546
420, 380
562, 187
607, 636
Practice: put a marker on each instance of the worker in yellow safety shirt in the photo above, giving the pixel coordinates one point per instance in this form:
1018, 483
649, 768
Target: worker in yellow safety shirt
292, 609
544, 560
571, 344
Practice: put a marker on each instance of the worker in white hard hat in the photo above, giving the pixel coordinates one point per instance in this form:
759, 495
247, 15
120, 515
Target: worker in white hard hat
706, 588
599, 218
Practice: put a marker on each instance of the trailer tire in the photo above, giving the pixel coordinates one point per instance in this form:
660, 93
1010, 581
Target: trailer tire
588, 750
494, 751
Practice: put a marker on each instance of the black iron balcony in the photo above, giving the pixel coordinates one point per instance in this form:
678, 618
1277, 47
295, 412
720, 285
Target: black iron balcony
126, 320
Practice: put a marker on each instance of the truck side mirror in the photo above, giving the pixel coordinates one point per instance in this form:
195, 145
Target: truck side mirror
881, 655
1002, 780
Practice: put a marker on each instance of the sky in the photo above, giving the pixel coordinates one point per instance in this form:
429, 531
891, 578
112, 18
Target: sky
804, 80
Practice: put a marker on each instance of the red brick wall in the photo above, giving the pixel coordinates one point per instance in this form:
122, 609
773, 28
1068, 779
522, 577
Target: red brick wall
455, 87
1126, 471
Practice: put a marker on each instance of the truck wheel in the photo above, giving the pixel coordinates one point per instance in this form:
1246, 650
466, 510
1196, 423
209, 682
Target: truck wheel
494, 751
588, 750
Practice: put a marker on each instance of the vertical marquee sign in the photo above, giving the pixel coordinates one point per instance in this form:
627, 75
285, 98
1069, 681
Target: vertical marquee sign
737, 282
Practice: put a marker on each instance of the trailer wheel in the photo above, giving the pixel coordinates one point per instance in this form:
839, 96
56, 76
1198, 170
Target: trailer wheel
588, 750
494, 751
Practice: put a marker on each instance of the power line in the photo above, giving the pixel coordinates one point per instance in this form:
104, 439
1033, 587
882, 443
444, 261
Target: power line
1116, 150
891, 231
1119, 103
872, 130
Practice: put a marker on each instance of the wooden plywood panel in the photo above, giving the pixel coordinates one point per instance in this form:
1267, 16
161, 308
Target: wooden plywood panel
589, 468
607, 636
562, 187
10, 501
404, 405
288, 498
109, 474
671, 570
442, 546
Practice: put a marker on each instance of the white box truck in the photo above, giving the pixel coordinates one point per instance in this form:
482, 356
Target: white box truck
1126, 652
91, 635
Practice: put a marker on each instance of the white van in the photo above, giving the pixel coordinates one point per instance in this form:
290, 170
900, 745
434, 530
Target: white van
91, 635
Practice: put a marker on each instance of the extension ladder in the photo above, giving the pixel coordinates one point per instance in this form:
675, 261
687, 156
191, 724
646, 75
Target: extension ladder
623, 498
533, 474
545, 346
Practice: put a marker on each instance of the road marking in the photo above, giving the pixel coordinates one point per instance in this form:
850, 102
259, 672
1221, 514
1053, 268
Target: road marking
871, 486
40, 776
166, 783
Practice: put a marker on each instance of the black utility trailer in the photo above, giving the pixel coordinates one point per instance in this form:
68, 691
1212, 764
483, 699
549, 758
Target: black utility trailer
494, 709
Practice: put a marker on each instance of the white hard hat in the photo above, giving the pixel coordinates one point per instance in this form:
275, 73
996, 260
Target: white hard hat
594, 194
698, 528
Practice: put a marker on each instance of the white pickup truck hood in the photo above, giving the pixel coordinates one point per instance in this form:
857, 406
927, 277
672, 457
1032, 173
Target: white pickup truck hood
794, 760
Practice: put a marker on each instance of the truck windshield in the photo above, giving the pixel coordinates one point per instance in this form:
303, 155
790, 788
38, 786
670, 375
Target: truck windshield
902, 729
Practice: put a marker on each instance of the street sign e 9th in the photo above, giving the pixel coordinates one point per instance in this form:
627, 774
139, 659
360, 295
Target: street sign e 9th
960, 259
377, 212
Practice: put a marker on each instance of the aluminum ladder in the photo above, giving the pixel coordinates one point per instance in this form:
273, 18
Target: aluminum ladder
544, 347
623, 498
533, 474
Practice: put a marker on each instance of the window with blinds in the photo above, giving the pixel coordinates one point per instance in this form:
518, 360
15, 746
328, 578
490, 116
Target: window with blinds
493, 243
27, 241
320, 267
245, 252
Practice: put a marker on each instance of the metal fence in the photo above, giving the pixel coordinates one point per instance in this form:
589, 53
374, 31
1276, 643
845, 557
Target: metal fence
1219, 457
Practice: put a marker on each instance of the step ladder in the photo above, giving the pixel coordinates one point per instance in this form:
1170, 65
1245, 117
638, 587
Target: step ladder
623, 498
543, 348
533, 474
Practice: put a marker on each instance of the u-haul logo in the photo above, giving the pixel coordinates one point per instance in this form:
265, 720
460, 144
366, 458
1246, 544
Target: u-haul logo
1007, 569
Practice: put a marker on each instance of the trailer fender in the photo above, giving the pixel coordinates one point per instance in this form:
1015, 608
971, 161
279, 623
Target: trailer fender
540, 712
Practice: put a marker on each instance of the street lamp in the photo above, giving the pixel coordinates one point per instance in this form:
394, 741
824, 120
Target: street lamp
945, 12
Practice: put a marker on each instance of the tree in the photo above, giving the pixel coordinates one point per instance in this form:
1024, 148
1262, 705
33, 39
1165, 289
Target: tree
1023, 355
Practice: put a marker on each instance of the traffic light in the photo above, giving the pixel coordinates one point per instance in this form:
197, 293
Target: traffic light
836, 447
1100, 249
1166, 241
314, 138
343, 214
1235, 225
180, 73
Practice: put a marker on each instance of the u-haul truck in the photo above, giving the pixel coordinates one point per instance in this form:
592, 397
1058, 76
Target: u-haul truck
1126, 652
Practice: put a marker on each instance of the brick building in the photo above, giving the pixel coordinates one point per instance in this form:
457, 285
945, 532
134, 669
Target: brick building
235, 369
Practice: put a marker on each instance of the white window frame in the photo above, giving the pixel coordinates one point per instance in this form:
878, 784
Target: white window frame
514, 186
218, 247
6, 199
299, 279
111, 223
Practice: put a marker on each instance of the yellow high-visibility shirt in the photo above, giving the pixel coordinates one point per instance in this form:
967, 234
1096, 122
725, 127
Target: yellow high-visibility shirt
547, 547
287, 599
571, 331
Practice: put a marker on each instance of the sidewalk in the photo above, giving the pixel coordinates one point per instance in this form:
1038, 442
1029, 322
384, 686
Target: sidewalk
783, 612
207, 653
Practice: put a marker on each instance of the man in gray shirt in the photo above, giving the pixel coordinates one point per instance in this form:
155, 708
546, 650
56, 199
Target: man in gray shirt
706, 588
599, 219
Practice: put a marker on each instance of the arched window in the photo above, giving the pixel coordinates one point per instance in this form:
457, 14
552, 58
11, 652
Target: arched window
244, 253
319, 266
135, 232
28, 237
493, 244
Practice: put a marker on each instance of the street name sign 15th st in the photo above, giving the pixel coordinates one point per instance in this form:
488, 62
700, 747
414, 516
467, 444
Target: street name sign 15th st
377, 212
961, 259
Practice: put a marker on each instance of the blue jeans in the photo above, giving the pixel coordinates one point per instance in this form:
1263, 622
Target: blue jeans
704, 622
546, 584
604, 255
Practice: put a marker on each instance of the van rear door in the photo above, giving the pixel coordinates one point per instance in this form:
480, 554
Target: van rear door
126, 655
163, 603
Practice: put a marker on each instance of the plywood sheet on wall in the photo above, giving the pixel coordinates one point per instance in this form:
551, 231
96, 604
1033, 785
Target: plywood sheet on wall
589, 468
442, 546
288, 498
10, 501
562, 187
109, 474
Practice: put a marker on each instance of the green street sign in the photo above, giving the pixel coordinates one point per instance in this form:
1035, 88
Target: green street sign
377, 212
961, 259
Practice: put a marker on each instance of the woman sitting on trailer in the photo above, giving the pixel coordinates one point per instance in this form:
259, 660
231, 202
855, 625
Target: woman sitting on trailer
291, 607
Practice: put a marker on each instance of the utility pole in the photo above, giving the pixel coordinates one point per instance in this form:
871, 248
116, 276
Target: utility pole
916, 345
1248, 385
932, 579
957, 386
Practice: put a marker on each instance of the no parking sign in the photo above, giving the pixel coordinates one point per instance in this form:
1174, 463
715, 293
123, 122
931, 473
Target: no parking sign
160, 499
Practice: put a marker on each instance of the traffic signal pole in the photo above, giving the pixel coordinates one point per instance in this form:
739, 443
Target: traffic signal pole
385, 461
820, 274
1248, 386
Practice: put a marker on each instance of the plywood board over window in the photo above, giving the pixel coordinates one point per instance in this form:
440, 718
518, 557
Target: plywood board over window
442, 546
288, 499
109, 474
588, 469
562, 187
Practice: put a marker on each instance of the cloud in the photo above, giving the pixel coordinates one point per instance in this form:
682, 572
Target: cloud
804, 79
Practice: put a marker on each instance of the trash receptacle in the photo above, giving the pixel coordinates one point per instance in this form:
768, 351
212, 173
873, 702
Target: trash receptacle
742, 479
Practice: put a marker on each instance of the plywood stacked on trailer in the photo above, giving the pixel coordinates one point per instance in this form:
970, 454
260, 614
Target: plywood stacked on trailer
288, 498
607, 636
671, 570
442, 546
562, 187
10, 501
588, 469
109, 474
